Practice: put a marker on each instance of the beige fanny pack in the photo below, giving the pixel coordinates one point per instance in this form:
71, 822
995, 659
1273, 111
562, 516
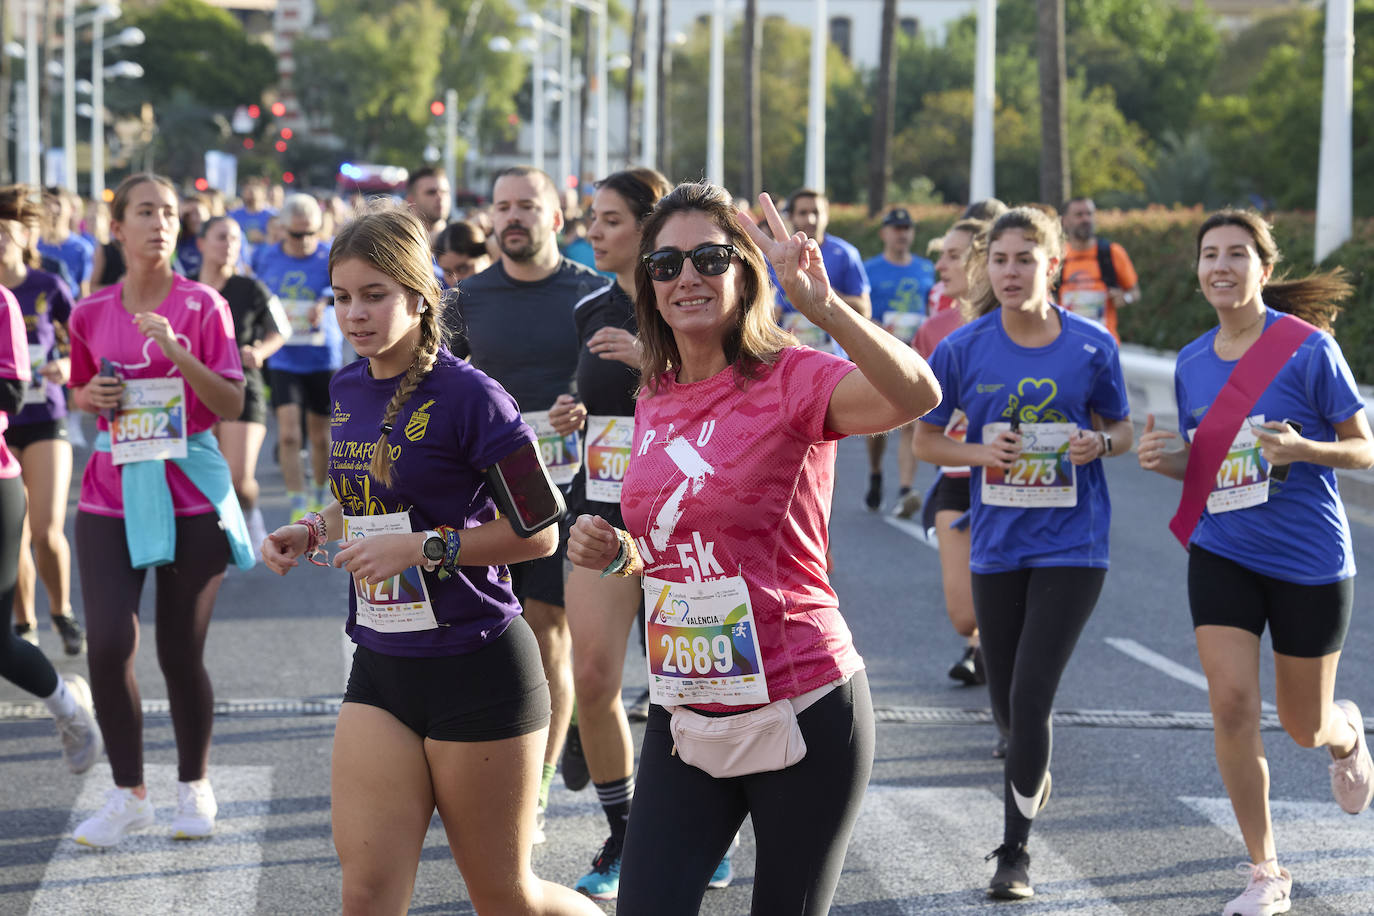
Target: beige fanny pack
758, 741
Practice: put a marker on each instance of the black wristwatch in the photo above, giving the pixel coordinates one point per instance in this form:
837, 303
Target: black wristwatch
434, 550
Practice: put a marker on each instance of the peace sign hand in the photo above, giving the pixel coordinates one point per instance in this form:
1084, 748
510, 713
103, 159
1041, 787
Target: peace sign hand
797, 262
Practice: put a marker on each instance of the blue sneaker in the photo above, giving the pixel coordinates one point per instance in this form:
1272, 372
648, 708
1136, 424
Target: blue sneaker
603, 881
723, 874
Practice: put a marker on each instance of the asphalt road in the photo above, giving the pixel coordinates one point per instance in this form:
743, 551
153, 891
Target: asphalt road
1138, 823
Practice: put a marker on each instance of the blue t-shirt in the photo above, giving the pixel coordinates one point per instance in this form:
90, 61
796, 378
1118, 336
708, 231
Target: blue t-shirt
76, 253
254, 225
46, 302
457, 423
991, 378
843, 266
298, 283
899, 287
1301, 534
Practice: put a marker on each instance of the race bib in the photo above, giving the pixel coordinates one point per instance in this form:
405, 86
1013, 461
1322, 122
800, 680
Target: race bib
1243, 478
399, 604
1042, 477
303, 331
807, 334
703, 646
37, 392
608, 455
151, 421
903, 325
1089, 303
562, 455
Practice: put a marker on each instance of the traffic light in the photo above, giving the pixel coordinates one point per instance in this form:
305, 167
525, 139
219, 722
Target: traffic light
436, 108
278, 109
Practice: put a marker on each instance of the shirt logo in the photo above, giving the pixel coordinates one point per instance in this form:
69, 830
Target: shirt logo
340, 415
989, 389
1030, 404
418, 422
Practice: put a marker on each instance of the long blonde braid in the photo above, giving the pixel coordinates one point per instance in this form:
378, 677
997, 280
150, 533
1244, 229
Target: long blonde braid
426, 354
391, 239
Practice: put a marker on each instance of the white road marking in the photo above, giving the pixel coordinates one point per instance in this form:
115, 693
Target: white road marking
149, 872
1166, 665
1329, 853
925, 847
914, 529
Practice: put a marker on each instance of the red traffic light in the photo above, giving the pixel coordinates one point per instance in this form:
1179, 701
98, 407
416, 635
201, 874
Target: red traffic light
202, 184
287, 133
288, 177
281, 146
278, 109
436, 108
254, 111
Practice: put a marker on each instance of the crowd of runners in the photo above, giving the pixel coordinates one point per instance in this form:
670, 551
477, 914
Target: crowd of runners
650, 460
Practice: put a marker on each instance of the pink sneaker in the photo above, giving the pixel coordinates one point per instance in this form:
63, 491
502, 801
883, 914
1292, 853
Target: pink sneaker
1267, 893
1352, 776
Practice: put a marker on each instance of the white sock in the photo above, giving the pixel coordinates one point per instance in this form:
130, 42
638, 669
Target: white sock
61, 704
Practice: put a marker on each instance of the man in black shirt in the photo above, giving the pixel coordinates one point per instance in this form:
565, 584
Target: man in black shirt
515, 321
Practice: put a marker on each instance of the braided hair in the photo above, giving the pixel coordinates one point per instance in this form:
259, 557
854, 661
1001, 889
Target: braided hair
390, 239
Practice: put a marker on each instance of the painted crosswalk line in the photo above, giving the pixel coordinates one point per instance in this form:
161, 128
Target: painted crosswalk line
149, 872
1330, 853
926, 847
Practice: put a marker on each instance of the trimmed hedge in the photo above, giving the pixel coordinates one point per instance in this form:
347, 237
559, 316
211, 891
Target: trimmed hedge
1161, 244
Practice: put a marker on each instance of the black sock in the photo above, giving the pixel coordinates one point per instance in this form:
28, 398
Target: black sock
615, 798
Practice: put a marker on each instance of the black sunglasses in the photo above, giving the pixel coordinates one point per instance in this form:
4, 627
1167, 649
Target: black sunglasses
710, 261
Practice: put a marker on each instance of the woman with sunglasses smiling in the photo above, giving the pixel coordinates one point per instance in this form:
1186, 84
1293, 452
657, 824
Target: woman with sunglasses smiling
726, 502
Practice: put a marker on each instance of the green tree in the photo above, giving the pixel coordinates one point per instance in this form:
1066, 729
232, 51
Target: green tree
194, 48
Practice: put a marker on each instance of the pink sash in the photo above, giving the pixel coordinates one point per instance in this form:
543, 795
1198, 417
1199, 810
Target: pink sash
1213, 437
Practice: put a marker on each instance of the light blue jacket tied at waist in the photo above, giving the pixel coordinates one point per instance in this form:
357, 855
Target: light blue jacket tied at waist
150, 525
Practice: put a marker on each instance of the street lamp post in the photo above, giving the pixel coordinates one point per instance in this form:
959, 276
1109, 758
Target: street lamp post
984, 93
715, 99
32, 145
815, 119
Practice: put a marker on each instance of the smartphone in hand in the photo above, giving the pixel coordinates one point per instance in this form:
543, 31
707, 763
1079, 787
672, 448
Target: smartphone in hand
108, 370
1279, 472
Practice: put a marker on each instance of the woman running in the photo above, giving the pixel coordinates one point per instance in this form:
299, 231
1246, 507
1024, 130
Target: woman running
726, 504
947, 503
1273, 544
446, 705
38, 436
1044, 398
460, 250
22, 664
601, 611
260, 328
154, 355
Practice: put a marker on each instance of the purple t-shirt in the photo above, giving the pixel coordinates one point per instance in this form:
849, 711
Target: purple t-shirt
45, 301
457, 423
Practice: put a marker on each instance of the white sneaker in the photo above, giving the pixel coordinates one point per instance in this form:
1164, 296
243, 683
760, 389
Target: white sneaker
79, 733
196, 810
1352, 776
1266, 894
123, 811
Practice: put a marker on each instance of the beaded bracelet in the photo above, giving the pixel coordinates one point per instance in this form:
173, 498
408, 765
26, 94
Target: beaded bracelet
624, 563
318, 536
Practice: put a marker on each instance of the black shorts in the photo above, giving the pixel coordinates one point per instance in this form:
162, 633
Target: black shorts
303, 389
496, 692
542, 579
254, 400
949, 494
21, 437
1305, 621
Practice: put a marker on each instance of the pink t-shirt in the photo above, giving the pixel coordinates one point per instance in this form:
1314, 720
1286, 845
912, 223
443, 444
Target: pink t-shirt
727, 482
101, 327
14, 364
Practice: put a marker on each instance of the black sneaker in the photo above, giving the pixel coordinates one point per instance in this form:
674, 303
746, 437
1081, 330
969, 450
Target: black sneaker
574, 764
73, 636
638, 711
874, 497
999, 750
1011, 881
965, 670
980, 675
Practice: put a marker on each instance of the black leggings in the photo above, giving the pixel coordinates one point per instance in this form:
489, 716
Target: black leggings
683, 820
1029, 621
186, 590
21, 664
